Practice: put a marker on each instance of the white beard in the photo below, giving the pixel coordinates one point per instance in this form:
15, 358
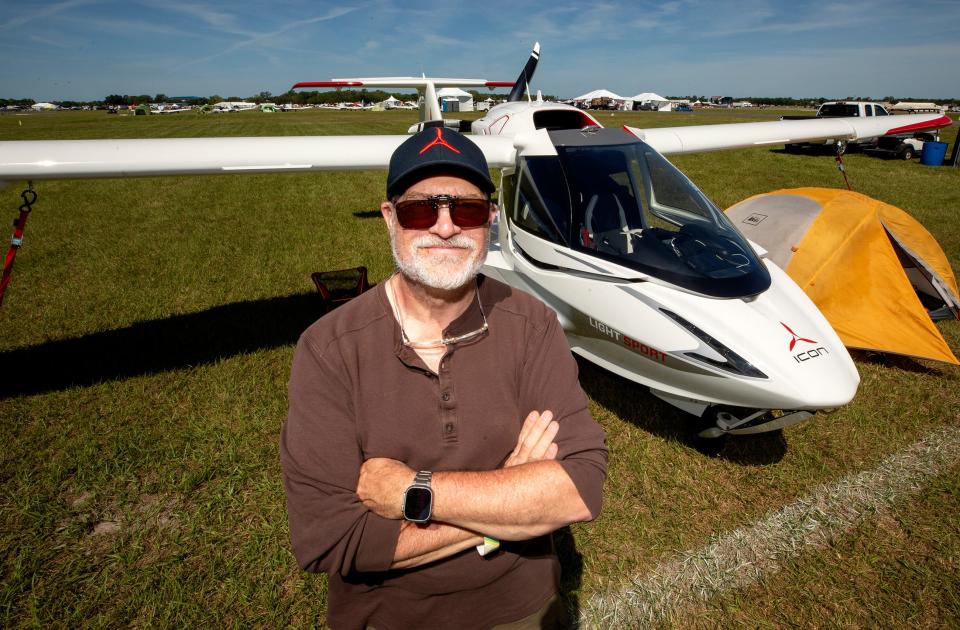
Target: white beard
446, 273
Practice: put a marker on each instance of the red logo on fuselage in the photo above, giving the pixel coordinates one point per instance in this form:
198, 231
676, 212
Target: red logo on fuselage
796, 337
438, 141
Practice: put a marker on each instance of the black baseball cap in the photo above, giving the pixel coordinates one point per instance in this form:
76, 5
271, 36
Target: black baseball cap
437, 150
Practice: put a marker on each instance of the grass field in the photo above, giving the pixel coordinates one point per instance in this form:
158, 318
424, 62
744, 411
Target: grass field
146, 342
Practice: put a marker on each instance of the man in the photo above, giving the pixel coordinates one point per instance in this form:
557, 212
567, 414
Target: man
435, 418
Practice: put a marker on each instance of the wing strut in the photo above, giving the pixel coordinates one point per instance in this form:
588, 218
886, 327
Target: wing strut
840, 147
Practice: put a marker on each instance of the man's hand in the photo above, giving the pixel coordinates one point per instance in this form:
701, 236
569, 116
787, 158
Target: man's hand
382, 484
383, 481
536, 440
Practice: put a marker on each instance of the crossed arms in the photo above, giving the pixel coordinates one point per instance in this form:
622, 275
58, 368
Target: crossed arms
529, 496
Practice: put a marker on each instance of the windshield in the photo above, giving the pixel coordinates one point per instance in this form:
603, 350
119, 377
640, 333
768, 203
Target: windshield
628, 204
838, 110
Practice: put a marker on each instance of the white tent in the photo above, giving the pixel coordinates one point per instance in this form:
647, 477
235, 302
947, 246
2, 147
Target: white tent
455, 100
589, 96
43, 107
651, 100
644, 97
391, 102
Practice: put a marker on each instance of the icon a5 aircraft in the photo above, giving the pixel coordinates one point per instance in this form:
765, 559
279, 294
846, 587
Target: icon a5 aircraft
647, 276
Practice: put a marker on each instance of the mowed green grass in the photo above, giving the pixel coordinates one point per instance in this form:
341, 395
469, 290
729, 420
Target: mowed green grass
146, 343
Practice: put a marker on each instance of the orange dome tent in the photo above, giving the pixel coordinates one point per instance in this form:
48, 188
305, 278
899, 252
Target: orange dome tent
873, 270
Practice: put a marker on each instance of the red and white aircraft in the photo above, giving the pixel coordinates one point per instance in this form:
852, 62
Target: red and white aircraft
647, 276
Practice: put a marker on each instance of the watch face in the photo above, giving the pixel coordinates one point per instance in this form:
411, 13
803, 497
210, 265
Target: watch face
417, 503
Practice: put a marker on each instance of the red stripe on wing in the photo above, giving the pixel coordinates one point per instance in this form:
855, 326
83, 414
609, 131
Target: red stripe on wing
943, 121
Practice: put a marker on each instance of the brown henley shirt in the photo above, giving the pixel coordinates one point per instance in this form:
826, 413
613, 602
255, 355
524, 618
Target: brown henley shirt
356, 392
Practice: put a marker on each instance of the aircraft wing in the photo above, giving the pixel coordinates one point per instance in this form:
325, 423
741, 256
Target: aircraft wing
403, 82
697, 138
70, 159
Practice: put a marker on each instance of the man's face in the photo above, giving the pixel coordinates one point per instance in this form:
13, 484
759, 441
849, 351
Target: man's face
443, 256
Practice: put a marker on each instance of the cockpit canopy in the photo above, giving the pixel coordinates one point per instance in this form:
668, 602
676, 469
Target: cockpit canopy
612, 196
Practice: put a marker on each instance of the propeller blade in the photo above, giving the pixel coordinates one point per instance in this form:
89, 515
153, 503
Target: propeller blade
526, 75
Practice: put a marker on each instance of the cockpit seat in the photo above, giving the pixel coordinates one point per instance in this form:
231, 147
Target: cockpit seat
606, 222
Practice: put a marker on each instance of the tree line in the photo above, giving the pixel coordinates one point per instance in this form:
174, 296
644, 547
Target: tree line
290, 97
315, 97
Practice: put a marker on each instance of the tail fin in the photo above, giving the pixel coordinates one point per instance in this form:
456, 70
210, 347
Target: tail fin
526, 75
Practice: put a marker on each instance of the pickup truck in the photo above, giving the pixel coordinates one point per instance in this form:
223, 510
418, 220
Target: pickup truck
841, 109
851, 109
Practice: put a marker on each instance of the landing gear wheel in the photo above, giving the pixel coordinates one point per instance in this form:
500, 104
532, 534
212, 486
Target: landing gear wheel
708, 438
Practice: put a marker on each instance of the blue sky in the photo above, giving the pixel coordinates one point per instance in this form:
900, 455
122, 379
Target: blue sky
86, 49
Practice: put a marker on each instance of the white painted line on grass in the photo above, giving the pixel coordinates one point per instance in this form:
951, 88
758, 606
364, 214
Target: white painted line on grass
741, 557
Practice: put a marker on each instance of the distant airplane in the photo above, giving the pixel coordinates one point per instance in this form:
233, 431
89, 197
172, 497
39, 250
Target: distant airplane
173, 109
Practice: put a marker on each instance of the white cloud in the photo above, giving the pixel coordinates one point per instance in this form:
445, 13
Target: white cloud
45, 12
49, 41
263, 39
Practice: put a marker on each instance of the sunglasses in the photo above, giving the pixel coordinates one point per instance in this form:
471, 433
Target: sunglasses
422, 213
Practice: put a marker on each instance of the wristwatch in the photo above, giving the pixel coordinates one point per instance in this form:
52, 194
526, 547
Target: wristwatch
418, 499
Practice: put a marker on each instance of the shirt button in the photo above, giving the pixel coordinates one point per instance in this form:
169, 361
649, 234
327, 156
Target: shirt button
446, 396
448, 427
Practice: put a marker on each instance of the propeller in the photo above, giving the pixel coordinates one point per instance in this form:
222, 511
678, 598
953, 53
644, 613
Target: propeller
526, 75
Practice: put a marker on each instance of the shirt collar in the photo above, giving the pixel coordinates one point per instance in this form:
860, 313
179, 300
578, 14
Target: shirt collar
470, 320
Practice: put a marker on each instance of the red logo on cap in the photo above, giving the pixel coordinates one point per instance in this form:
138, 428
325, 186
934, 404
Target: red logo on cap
796, 337
438, 141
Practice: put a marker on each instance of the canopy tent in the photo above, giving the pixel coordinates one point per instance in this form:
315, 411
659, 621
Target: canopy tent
454, 99
648, 100
390, 102
873, 270
644, 97
589, 96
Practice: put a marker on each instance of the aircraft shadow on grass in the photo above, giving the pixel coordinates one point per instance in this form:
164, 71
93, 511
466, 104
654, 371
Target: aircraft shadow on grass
193, 339
158, 345
634, 404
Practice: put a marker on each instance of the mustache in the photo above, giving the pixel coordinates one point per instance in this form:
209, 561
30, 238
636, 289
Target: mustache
457, 240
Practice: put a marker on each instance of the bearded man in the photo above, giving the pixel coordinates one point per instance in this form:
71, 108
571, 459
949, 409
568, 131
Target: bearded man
437, 434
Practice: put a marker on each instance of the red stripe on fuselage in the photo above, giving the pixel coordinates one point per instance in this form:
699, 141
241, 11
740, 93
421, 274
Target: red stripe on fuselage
943, 121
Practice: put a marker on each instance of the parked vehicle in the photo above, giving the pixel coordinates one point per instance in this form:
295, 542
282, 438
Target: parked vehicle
903, 146
851, 109
841, 109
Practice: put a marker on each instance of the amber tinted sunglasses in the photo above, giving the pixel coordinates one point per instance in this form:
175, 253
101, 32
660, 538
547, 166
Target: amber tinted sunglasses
422, 213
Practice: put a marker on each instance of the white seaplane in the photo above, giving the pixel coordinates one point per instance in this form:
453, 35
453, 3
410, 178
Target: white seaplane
648, 277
